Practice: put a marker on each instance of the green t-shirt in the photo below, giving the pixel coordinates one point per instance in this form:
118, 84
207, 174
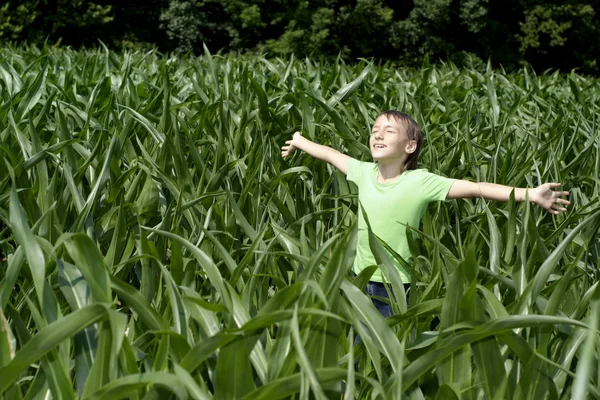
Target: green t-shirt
390, 207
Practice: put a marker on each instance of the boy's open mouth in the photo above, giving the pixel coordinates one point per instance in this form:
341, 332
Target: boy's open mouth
379, 146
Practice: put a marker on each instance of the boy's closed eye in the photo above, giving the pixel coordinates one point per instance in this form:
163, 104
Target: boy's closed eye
387, 132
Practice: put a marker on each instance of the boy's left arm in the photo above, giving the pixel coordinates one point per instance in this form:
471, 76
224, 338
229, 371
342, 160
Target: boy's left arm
543, 195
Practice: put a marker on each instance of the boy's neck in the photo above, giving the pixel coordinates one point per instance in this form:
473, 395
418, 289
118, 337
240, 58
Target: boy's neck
388, 171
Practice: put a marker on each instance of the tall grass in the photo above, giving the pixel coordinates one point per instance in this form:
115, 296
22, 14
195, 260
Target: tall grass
155, 244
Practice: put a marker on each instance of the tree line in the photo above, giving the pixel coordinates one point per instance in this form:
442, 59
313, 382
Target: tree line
544, 34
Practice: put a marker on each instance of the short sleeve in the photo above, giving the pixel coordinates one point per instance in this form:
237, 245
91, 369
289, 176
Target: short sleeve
355, 170
435, 187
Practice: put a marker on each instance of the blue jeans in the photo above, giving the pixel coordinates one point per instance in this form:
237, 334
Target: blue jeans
378, 289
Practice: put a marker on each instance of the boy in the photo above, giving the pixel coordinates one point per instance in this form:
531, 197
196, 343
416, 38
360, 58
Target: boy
394, 193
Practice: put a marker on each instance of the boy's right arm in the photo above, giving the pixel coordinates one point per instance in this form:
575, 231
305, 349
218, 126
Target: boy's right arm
325, 153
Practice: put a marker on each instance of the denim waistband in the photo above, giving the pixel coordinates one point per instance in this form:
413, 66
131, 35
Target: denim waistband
380, 284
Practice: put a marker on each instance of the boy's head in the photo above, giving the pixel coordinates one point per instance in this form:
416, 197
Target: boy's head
395, 135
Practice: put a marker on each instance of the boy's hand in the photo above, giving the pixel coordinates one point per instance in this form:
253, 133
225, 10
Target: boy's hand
290, 148
547, 198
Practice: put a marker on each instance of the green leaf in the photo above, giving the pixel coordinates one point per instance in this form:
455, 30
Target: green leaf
287, 386
48, 338
234, 371
583, 374
303, 359
7, 341
33, 94
33, 251
348, 89
89, 261
207, 264
159, 137
550, 263
77, 292
138, 304
124, 386
490, 367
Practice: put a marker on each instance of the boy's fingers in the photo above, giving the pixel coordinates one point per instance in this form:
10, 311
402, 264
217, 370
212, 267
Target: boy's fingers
554, 185
557, 209
553, 210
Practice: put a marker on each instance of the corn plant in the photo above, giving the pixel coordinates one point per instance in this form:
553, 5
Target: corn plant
155, 245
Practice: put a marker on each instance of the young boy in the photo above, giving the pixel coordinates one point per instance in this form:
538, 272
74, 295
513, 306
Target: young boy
394, 193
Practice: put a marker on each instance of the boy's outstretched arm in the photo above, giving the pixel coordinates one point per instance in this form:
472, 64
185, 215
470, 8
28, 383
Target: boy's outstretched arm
542, 195
327, 154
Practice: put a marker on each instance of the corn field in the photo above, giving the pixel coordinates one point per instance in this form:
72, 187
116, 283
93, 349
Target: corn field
155, 244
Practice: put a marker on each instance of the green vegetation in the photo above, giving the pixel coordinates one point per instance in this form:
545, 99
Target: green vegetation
155, 243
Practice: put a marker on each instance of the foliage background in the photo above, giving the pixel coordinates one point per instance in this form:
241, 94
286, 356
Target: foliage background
545, 34
154, 244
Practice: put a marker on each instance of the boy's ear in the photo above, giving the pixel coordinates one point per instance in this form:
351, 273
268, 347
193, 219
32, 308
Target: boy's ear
411, 147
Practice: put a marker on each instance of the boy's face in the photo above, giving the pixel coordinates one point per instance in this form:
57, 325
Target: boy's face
389, 140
